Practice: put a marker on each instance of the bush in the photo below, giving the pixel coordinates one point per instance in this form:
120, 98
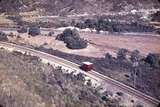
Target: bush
3, 36
22, 30
119, 93
122, 53
108, 56
72, 39
90, 23
76, 44
34, 31
153, 59
158, 31
139, 105
156, 16
50, 33
81, 25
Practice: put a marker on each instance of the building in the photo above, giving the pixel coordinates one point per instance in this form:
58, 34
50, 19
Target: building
87, 66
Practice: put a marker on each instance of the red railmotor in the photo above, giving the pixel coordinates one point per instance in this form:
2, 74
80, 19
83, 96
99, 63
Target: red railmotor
87, 66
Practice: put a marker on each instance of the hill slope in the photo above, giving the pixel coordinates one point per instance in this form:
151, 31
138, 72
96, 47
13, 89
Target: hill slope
75, 6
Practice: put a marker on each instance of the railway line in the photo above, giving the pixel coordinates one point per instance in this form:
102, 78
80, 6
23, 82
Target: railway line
74, 66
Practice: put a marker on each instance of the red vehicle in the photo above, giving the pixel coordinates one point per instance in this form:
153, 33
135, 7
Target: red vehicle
87, 66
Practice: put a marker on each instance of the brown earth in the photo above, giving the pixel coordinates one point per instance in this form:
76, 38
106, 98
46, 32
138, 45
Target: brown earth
99, 44
111, 43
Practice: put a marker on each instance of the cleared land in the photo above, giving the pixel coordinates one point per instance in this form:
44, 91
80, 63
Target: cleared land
111, 43
99, 44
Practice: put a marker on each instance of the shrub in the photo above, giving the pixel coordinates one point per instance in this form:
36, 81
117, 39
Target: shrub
119, 93
135, 56
108, 56
22, 30
156, 16
81, 25
3, 36
50, 33
34, 30
90, 23
158, 31
11, 34
153, 59
139, 105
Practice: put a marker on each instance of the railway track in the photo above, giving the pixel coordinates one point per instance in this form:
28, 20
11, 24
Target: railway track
91, 74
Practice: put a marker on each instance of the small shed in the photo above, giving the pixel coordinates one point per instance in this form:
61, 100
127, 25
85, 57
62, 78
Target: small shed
87, 66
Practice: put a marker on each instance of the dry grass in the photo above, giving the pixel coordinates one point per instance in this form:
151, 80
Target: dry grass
111, 43
26, 82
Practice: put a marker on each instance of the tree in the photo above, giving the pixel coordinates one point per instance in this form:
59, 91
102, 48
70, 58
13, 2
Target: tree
100, 25
72, 39
90, 23
135, 56
80, 25
22, 29
156, 16
34, 31
108, 56
122, 53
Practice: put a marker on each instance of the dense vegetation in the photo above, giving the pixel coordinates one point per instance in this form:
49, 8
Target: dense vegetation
106, 24
26, 82
72, 39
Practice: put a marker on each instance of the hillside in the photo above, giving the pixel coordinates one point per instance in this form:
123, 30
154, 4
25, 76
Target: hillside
75, 6
26, 82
